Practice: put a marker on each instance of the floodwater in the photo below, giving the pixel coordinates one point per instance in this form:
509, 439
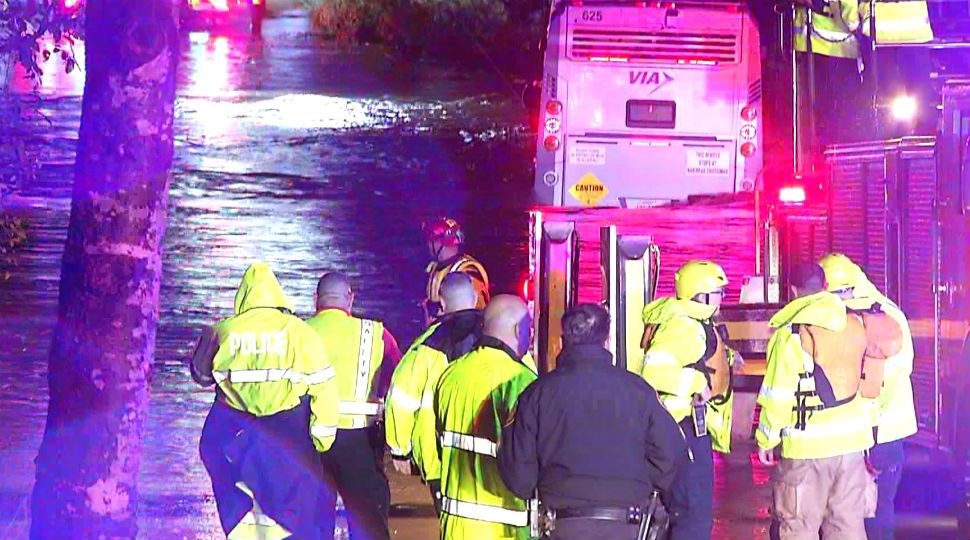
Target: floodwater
309, 156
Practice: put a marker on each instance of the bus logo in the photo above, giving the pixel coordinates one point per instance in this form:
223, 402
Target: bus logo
657, 79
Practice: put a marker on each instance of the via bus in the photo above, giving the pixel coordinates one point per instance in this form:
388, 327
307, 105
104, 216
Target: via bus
648, 102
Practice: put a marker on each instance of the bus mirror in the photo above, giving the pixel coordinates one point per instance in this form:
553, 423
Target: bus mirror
531, 94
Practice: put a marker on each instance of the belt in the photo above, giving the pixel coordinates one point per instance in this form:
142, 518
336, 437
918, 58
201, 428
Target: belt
631, 515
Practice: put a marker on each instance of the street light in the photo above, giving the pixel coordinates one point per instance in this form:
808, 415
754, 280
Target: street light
904, 108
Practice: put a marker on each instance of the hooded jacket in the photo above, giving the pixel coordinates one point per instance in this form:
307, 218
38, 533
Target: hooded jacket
265, 359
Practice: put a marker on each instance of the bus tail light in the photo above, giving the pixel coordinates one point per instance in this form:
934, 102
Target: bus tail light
551, 143
792, 195
749, 113
748, 149
553, 107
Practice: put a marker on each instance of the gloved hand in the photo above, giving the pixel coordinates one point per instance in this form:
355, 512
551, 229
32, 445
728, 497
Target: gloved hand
767, 457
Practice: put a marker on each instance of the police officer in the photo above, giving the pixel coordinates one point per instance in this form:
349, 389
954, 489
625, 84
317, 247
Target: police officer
688, 363
412, 387
475, 397
591, 436
445, 240
275, 408
811, 405
896, 412
364, 355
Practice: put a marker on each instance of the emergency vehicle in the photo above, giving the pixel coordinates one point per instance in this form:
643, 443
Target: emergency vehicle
900, 207
648, 101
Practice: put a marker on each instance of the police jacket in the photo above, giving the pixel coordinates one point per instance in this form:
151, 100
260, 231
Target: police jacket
599, 432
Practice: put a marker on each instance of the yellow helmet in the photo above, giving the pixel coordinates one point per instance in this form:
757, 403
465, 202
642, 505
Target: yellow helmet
840, 272
699, 277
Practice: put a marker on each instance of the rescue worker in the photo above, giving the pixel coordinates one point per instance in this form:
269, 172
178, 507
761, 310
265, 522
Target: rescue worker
688, 363
363, 354
839, 96
275, 408
445, 240
475, 397
896, 411
591, 436
811, 404
412, 387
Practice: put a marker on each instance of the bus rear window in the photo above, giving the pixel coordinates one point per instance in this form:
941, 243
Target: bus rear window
642, 113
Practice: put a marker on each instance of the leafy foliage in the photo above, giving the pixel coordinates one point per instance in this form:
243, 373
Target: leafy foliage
24, 25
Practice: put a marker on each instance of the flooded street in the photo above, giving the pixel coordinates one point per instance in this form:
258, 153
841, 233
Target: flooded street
314, 158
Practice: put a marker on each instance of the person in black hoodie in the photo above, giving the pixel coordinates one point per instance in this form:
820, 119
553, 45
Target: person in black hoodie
592, 437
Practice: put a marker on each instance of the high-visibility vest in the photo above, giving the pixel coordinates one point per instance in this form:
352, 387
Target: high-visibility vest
268, 359
475, 398
463, 263
833, 33
905, 21
794, 409
412, 380
684, 351
356, 351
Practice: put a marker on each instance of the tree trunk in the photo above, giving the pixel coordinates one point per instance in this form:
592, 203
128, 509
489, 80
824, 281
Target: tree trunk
100, 363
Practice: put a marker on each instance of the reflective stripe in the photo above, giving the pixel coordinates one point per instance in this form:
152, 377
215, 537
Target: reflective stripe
478, 445
274, 375
355, 408
400, 398
766, 431
828, 429
687, 379
260, 519
364, 353
832, 36
484, 512
660, 359
427, 400
322, 431
777, 394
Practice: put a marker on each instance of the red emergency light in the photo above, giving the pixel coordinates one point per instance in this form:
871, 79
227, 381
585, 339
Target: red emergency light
70, 6
792, 195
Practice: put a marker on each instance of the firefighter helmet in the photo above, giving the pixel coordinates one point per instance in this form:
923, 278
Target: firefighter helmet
840, 272
699, 277
445, 230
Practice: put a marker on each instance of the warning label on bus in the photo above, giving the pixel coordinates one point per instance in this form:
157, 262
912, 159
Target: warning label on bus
708, 162
587, 155
589, 190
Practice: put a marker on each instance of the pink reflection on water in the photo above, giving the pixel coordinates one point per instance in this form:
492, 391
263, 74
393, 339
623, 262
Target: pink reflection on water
55, 79
210, 73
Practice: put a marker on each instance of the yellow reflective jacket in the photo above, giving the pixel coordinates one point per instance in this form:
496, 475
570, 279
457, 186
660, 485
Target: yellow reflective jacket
896, 410
475, 398
268, 358
788, 377
410, 414
355, 348
833, 33
906, 21
683, 339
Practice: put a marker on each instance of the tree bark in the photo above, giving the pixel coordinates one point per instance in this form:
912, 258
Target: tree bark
100, 364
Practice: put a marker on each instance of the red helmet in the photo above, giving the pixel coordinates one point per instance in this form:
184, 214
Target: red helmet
444, 230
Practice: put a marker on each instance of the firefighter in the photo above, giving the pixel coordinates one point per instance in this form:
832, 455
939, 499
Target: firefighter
811, 404
445, 240
364, 354
275, 408
592, 437
475, 397
839, 95
896, 413
688, 363
412, 387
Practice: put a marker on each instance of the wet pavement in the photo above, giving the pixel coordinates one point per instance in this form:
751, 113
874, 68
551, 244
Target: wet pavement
312, 157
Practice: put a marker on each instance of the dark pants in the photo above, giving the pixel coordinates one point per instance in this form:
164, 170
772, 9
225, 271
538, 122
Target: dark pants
434, 486
355, 463
887, 459
274, 457
692, 493
589, 529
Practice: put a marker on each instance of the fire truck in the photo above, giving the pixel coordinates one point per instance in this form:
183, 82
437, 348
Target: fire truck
899, 206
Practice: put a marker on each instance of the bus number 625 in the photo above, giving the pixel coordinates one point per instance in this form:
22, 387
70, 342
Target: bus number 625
592, 16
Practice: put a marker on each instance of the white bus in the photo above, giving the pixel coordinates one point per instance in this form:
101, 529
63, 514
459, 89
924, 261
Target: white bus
647, 102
